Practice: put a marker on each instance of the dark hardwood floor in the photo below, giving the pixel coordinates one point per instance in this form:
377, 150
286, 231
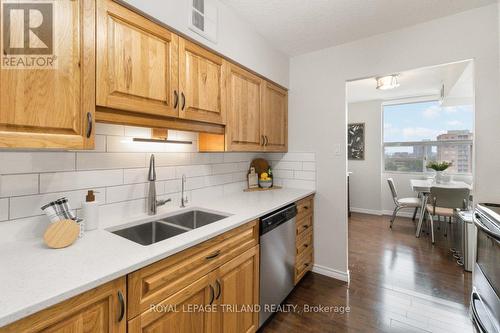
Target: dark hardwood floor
399, 283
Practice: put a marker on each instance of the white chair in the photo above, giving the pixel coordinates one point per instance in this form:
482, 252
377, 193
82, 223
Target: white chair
443, 202
401, 203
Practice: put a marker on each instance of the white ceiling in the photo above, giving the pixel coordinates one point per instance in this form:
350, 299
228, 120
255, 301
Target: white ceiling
423, 82
301, 26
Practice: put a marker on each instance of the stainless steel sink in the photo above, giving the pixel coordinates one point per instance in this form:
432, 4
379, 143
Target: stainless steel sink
156, 231
193, 219
149, 233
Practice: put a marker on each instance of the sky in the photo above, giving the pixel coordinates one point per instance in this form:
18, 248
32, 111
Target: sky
424, 121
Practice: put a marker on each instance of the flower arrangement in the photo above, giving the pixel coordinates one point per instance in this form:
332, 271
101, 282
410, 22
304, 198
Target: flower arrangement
438, 166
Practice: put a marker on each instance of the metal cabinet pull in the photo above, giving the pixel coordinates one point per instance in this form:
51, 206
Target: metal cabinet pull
219, 289
183, 100
212, 295
176, 99
265, 140
213, 255
122, 306
262, 140
89, 124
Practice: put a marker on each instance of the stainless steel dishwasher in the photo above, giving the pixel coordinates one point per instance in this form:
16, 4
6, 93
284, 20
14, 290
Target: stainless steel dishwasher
277, 258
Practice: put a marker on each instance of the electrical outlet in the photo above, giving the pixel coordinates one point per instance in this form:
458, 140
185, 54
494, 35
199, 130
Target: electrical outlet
337, 150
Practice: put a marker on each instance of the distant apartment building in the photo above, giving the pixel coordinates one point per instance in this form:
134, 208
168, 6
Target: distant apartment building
459, 154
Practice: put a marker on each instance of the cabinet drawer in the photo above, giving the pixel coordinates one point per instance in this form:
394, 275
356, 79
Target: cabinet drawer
304, 241
156, 282
305, 207
304, 224
303, 264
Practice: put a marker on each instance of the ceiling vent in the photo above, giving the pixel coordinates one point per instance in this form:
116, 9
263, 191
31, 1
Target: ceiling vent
203, 19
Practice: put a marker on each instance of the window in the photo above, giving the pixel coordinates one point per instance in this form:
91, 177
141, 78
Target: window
416, 133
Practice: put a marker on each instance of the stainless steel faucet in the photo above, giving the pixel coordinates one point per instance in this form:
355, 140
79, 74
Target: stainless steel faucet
184, 199
153, 203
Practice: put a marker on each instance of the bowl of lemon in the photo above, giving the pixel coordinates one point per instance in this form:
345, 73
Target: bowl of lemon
265, 181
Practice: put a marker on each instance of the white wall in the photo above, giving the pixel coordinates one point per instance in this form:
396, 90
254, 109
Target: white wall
236, 38
317, 112
366, 173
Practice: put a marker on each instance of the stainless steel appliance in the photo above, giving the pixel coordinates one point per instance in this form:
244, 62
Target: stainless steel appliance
485, 297
277, 259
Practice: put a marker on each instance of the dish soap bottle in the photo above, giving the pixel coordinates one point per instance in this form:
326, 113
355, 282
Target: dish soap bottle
90, 211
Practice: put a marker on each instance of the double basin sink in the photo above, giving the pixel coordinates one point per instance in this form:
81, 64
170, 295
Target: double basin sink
155, 231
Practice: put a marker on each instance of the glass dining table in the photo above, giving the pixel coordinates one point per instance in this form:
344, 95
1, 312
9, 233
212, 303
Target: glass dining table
423, 188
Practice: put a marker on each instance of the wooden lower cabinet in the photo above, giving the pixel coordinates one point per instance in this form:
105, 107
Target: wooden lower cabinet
220, 301
238, 293
304, 241
100, 310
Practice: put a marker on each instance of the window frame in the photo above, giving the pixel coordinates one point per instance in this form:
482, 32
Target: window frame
414, 100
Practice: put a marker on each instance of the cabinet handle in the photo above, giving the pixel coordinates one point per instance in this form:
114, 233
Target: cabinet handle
262, 140
176, 99
89, 124
183, 100
212, 295
265, 136
213, 255
122, 306
219, 289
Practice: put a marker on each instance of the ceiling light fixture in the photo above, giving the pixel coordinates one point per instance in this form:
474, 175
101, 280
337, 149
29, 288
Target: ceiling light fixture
388, 82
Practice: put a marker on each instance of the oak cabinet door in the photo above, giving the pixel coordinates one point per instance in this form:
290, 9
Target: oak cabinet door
238, 292
179, 313
137, 67
201, 84
244, 104
275, 118
48, 101
99, 310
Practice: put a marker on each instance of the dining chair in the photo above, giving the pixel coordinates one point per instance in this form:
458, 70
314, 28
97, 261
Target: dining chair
443, 202
401, 203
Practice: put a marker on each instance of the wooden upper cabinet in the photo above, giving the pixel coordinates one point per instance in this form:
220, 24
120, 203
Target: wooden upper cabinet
244, 104
49, 106
137, 62
99, 310
274, 125
201, 84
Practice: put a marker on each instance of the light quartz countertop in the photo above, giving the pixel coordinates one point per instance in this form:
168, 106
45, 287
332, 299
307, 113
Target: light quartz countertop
34, 277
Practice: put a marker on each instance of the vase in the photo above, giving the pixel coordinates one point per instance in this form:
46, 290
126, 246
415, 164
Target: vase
442, 177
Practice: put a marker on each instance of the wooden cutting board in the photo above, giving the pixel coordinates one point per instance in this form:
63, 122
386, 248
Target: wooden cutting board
260, 165
61, 234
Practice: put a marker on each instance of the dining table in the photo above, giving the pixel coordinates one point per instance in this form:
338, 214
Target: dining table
423, 188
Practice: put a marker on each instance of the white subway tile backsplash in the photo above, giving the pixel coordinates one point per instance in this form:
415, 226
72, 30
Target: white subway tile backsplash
284, 165
16, 185
129, 192
94, 161
67, 181
34, 162
193, 170
168, 159
309, 166
305, 175
109, 129
118, 169
27, 206
4, 209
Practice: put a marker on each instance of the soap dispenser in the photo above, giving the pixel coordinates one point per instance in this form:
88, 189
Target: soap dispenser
90, 211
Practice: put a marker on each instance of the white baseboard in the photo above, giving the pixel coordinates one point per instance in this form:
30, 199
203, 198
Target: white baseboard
330, 272
366, 211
